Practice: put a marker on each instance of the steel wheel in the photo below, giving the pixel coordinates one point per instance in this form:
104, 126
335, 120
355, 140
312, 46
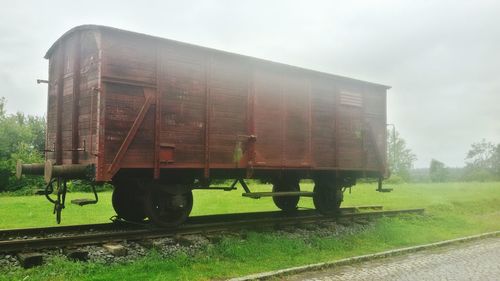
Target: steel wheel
165, 209
286, 203
327, 198
127, 201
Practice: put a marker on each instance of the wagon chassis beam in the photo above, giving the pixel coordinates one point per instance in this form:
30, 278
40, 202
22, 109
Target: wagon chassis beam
225, 188
257, 195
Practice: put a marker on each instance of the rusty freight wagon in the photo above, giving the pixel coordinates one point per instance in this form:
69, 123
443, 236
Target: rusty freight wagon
158, 118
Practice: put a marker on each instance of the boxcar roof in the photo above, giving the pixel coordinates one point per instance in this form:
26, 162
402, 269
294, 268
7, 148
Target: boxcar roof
112, 29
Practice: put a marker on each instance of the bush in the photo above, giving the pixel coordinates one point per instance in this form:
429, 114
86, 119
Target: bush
22, 137
26, 154
86, 186
394, 179
481, 175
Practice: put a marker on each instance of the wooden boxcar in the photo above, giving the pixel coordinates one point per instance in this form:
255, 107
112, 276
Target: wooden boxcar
158, 118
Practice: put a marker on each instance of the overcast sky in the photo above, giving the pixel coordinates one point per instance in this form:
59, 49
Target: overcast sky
442, 58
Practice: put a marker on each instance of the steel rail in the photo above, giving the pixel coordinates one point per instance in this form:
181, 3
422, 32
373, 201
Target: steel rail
117, 225
302, 217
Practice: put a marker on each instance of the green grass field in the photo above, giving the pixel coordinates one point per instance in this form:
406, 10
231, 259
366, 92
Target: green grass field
35, 211
453, 210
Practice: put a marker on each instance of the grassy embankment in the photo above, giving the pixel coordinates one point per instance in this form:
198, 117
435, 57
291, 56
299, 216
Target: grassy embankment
453, 210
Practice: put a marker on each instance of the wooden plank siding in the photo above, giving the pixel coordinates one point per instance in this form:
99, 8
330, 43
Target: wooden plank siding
61, 74
210, 103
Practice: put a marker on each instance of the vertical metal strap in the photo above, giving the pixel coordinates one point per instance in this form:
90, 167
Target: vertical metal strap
250, 149
76, 101
157, 132
206, 170
59, 104
283, 113
310, 124
336, 114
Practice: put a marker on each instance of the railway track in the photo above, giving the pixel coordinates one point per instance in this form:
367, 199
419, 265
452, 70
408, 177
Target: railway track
122, 225
72, 236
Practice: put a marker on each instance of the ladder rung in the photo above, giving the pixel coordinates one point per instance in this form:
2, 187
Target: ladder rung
257, 195
82, 202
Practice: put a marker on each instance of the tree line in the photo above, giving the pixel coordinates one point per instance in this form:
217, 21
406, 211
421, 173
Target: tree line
482, 163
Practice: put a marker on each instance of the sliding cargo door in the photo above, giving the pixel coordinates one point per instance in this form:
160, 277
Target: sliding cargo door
324, 112
183, 84
268, 118
281, 119
297, 122
228, 88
